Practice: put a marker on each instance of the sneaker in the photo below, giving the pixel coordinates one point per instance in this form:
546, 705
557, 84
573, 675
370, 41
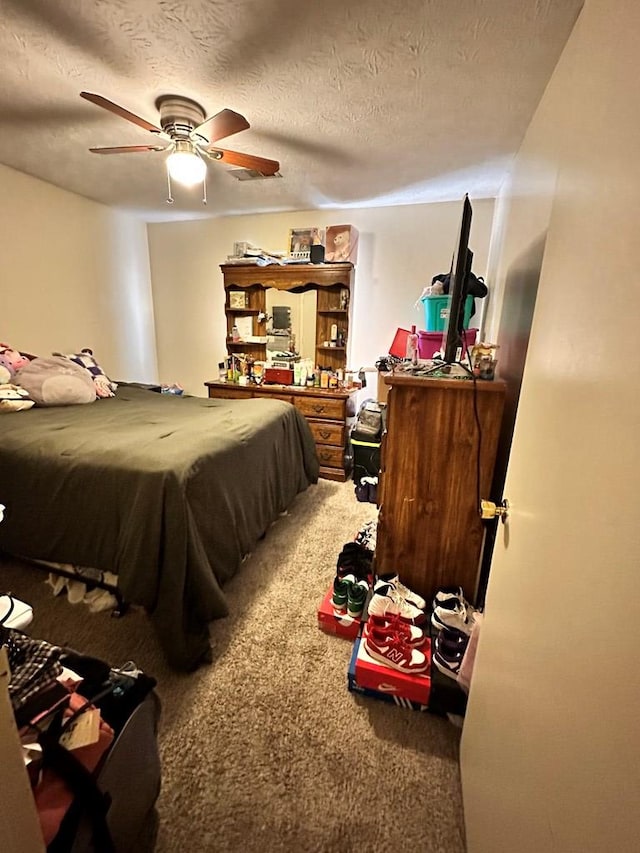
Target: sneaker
448, 594
453, 640
394, 652
405, 592
367, 535
447, 658
411, 634
356, 597
341, 587
457, 616
356, 560
357, 549
386, 601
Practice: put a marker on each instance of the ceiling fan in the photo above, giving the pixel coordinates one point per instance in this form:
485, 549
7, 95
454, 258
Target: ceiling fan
188, 136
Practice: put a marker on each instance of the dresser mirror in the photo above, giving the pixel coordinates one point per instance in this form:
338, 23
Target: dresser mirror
308, 306
291, 323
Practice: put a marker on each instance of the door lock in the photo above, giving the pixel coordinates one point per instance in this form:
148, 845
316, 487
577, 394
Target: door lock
489, 510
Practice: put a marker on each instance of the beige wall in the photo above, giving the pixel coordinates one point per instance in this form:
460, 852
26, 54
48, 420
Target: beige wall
74, 274
550, 749
400, 250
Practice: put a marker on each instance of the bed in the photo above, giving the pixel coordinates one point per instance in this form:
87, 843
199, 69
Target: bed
170, 493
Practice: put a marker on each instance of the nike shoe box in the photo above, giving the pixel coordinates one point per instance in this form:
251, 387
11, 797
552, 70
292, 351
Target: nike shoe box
371, 678
333, 622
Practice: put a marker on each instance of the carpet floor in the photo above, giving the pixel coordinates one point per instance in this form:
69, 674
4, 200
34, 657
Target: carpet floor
265, 749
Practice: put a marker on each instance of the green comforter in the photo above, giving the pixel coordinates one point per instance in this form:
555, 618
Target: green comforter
170, 493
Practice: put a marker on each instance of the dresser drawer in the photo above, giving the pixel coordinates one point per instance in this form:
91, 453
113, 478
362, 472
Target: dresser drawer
330, 457
286, 398
327, 432
229, 394
316, 407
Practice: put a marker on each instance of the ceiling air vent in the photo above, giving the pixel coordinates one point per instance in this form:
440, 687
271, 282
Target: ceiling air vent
251, 175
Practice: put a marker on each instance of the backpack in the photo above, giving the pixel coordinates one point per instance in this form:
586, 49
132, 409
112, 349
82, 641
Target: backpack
474, 285
368, 425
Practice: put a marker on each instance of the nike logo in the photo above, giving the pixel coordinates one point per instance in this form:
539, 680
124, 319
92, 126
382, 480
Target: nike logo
386, 688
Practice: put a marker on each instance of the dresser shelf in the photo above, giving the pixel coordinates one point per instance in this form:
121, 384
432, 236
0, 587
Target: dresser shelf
332, 282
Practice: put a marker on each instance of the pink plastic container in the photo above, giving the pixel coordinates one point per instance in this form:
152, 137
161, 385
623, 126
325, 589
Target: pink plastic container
432, 342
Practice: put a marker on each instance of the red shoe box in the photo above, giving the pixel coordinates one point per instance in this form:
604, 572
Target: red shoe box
333, 622
370, 675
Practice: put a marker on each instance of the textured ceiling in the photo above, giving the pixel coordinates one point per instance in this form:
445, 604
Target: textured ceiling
363, 102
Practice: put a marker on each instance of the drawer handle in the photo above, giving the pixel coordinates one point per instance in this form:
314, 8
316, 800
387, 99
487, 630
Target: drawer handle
324, 433
325, 455
318, 407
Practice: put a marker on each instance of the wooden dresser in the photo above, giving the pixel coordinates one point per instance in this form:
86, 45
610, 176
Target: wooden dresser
326, 411
433, 451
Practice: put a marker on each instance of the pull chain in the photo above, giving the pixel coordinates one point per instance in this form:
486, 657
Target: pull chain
169, 196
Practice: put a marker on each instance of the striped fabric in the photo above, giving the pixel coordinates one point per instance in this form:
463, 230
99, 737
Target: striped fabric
104, 386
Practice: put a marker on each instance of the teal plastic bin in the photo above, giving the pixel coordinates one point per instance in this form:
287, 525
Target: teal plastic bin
436, 312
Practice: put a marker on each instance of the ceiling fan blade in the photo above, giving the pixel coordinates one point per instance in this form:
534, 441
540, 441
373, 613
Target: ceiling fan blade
127, 149
222, 124
99, 101
247, 161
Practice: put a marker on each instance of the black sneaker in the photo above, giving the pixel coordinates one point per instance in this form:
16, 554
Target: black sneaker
448, 650
355, 560
453, 640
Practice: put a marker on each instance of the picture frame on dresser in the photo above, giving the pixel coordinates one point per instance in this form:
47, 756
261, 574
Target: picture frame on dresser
237, 299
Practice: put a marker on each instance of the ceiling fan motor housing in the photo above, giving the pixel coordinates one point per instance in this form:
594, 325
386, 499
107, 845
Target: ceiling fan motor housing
179, 116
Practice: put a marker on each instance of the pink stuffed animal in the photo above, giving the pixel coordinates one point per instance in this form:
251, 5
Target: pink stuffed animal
12, 359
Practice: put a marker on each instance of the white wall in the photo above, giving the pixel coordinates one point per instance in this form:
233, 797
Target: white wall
550, 750
400, 249
74, 274
523, 210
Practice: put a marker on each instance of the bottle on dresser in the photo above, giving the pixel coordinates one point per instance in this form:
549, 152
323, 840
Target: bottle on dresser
412, 346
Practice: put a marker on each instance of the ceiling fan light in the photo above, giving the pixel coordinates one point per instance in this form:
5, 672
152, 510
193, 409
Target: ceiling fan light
186, 167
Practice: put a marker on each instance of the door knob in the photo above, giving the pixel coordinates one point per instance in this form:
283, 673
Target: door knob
489, 510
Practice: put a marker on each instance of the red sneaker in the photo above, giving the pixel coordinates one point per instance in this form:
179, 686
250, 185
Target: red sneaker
411, 634
395, 652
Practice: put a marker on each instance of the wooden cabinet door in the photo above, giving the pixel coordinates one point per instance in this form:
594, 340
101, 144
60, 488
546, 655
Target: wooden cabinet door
437, 463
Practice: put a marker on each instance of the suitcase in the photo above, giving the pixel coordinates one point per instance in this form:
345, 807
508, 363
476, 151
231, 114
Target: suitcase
130, 778
114, 808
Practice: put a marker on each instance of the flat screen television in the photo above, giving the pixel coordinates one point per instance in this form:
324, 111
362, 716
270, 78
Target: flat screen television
460, 269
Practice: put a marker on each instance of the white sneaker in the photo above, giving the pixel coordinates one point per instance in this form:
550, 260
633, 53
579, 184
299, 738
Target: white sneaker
387, 601
448, 594
411, 596
461, 617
